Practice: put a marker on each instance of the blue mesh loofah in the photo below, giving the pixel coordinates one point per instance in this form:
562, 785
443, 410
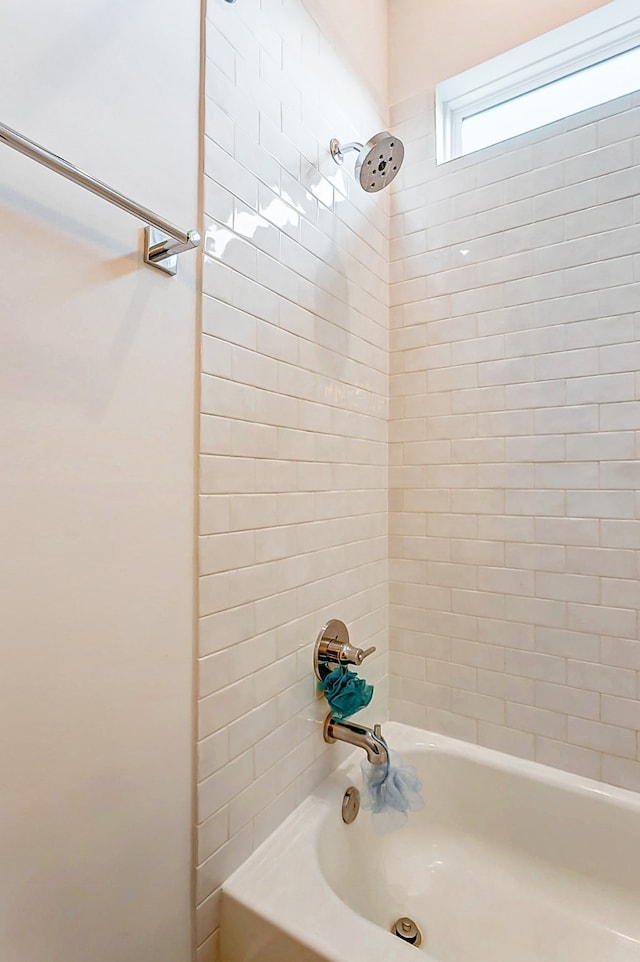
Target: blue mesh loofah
345, 692
390, 791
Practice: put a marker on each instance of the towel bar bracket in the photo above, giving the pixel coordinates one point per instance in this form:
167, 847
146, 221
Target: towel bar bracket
161, 250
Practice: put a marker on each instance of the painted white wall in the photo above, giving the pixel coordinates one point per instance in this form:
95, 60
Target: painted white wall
430, 40
358, 30
96, 487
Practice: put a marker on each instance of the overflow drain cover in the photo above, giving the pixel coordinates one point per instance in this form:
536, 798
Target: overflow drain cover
407, 930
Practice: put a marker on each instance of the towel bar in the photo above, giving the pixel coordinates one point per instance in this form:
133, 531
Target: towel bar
163, 241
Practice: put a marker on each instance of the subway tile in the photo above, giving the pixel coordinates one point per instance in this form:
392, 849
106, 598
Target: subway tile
607, 562
567, 700
426, 694
567, 420
620, 621
616, 185
567, 364
509, 634
506, 580
602, 678
569, 758
213, 753
619, 474
548, 503
605, 388
506, 423
538, 721
217, 790
620, 593
536, 557
621, 652
451, 675
614, 273
507, 476
600, 504
600, 333
600, 217
535, 395
568, 253
618, 300
622, 772
531, 664
512, 688
575, 197
475, 551
624, 712
599, 737
620, 417
454, 725
473, 653
224, 706
477, 706
619, 357
601, 446
537, 448
566, 587
568, 644
213, 871
504, 739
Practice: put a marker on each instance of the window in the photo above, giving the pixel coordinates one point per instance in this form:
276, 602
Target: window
587, 62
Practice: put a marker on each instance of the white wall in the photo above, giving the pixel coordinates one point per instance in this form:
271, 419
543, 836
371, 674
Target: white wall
430, 40
359, 31
294, 427
96, 487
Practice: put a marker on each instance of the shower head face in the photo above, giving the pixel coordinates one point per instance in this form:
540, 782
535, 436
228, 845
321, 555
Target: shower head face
379, 161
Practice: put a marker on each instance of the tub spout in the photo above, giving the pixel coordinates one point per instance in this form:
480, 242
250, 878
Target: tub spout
370, 740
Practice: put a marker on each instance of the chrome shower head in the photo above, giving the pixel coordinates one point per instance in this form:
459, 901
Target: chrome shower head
378, 161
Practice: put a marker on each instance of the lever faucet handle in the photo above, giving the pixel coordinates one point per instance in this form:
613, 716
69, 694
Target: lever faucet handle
333, 648
361, 655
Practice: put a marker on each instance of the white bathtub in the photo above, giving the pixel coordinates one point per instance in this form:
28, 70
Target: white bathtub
510, 861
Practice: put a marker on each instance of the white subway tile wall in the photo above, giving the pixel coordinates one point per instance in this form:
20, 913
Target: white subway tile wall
294, 451
515, 440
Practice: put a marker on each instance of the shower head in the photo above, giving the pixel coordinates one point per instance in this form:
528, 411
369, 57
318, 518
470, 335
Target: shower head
378, 161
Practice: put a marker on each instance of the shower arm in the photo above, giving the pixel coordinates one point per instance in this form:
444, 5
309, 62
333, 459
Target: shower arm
338, 150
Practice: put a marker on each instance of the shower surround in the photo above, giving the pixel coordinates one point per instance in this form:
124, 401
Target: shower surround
294, 432
515, 453
513, 419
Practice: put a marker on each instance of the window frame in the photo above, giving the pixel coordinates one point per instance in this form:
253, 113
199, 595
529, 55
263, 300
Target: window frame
592, 38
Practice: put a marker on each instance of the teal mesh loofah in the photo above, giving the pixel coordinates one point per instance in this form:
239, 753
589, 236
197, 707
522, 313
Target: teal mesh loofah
345, 692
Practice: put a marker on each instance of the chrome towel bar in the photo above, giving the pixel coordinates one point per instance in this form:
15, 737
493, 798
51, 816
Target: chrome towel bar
163, 241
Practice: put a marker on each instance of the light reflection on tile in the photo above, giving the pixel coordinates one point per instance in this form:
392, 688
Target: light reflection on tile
216, 241
280, 213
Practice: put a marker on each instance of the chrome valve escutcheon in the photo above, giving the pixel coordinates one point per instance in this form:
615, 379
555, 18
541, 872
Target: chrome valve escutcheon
333, 648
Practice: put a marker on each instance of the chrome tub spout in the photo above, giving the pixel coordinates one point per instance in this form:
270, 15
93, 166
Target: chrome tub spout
370, 740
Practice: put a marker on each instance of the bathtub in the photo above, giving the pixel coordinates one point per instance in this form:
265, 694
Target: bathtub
510, 861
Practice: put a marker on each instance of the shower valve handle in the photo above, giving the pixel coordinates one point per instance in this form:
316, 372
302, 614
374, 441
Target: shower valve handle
348, 654
333, 648
361, 655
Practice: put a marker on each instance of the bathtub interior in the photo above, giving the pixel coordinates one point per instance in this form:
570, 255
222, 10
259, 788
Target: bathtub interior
502, 865
509, 862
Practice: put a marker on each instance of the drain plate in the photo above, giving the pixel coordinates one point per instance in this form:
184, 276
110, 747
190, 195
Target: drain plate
407, 930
